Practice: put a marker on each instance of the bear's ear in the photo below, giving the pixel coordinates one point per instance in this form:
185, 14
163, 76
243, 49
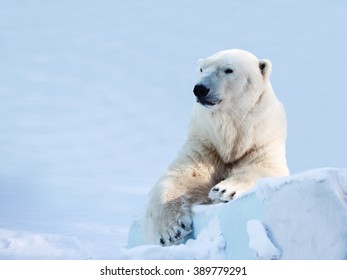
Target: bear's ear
265, 68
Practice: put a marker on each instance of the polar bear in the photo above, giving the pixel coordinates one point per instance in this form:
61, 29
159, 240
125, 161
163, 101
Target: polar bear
236, 135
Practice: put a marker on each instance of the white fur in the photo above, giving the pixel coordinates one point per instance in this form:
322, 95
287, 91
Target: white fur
237, 135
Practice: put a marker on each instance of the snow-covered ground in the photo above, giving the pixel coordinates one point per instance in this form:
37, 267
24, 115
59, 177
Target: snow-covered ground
302, 216
95, 99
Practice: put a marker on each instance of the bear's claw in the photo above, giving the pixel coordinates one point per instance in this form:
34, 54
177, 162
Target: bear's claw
222, 193
176, 235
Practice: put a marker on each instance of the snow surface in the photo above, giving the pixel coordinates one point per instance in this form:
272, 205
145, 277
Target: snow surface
302, 216
260, 243
95, 100
209, 244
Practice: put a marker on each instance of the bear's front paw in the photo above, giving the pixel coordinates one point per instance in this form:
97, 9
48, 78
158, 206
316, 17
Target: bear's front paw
169, 224
175, 232
226, 191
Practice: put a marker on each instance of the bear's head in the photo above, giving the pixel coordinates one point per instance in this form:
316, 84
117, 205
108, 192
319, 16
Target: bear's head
231, 79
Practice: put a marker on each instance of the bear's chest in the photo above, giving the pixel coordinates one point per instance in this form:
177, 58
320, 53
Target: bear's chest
232, 142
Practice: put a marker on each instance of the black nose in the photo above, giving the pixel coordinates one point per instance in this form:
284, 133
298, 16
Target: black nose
200, 91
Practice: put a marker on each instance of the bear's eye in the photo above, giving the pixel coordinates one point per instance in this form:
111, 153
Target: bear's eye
228, 71
201, 70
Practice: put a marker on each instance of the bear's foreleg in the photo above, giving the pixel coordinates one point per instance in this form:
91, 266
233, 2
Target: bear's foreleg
168, 216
